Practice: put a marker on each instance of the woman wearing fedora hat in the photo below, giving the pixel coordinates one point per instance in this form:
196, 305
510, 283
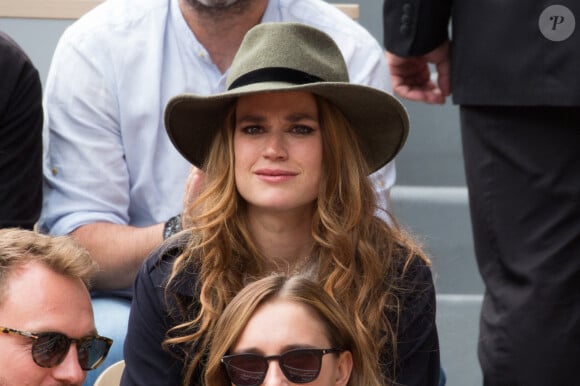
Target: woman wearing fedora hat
286, 152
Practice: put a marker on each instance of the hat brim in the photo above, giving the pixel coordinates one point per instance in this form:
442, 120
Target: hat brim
379, 119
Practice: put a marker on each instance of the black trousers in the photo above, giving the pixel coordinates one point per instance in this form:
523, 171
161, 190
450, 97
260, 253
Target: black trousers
523, 174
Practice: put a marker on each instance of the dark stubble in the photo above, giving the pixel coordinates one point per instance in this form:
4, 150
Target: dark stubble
220, 8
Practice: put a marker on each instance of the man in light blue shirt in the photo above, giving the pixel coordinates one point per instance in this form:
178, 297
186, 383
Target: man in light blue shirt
113, 178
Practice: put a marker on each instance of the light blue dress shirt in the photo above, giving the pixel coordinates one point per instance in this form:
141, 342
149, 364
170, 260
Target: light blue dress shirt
108, 156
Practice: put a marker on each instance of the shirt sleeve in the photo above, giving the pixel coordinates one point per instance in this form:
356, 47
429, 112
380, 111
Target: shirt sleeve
146, 362
418, 342
87, 179
21, 138
367, 65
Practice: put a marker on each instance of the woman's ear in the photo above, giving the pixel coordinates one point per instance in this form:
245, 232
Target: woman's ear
344, 368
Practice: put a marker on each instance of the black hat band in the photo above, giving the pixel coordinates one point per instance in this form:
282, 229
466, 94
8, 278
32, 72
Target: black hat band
275, 74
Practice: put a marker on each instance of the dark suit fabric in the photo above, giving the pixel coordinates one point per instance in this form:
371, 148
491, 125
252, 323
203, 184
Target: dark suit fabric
519, 97
499, 55
21, 120
524, 191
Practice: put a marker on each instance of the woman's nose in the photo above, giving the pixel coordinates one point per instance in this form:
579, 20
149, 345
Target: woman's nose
276, 147
275, 376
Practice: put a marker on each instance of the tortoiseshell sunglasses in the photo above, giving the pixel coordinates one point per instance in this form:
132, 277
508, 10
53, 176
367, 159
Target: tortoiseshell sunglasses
50, 348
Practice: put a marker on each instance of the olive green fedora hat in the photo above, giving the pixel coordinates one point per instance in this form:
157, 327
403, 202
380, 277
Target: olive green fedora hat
290, 57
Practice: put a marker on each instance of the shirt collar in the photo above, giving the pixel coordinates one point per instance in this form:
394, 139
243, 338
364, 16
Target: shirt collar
273, 12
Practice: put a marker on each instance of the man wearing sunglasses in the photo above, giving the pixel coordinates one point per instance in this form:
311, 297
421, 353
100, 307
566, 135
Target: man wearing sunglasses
47, 330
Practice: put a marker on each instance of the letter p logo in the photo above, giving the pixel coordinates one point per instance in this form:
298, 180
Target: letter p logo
557, 23
556, 20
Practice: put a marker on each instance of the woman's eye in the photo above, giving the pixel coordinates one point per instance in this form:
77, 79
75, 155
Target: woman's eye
299, 129
252, 130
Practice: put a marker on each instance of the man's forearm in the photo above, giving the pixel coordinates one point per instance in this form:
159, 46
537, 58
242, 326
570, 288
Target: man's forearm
119, 250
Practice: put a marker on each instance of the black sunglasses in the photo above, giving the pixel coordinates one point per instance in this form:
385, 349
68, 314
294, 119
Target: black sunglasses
298, 366
50, 348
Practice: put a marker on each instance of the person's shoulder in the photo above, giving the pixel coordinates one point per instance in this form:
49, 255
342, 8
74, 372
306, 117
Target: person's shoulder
411, 267
11, 52
163, 257
327, 18
7, 43
362, 53
412, 284
159, 265
20, 81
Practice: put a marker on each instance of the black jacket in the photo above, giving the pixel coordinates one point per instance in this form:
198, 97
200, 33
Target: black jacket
20, 137
500, 55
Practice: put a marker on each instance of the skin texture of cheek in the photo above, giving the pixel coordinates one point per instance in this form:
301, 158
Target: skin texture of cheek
30, 375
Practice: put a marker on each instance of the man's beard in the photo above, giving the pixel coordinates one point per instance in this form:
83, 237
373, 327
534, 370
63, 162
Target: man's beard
220, 7
216, 3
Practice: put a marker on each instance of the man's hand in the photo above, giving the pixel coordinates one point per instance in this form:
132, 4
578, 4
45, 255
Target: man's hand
411, 78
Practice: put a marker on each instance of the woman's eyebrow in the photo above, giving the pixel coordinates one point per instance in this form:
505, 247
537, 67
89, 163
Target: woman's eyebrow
251, 118
295, 117
291, 117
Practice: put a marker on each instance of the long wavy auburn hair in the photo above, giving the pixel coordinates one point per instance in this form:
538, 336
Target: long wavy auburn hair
358, 256
338, 326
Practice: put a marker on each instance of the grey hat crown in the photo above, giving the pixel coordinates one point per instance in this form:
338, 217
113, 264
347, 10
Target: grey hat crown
305, 50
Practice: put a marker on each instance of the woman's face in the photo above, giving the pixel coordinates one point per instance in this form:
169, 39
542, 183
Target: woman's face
281, 325
278, 150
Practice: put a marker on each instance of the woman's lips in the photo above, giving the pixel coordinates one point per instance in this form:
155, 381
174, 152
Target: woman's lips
274, 175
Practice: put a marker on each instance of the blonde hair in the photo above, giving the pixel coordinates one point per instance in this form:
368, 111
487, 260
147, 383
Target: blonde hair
357, 254
298, 289
62, 254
